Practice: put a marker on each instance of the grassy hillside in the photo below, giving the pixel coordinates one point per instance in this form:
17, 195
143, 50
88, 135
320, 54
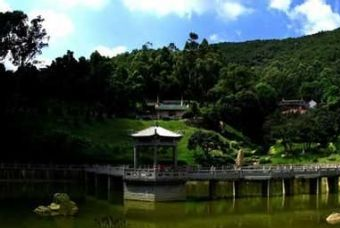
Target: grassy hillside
69, 139
115, 133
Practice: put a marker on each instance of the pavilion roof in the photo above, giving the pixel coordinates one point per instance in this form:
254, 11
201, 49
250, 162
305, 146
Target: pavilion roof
156, 131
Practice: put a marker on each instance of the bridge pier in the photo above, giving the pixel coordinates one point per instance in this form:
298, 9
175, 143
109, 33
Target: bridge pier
253, 188
265, 188
95, 185
236, 189
314, 186
333, 185
86, 180
108, 187
301, 186
287, 187
154, 192
213, 189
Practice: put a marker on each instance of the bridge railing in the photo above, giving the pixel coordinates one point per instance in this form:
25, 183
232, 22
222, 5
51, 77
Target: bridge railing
219, 174
154, 175
233, 173
106, 170
185, 173
40, 166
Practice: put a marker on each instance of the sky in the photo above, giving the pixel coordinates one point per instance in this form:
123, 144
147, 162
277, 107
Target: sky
116, 26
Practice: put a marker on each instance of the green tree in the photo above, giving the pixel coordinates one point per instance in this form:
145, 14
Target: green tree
209, 149
20, 39
267, 96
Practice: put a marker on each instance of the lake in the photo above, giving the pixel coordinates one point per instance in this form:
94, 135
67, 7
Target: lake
276, 212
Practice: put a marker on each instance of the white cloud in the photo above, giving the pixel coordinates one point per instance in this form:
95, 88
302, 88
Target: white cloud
215, 38
165, 7
110, 52
309, 17
4, 6
226, 9
58, 25
315, 16
68, 4
283, 5
231, 10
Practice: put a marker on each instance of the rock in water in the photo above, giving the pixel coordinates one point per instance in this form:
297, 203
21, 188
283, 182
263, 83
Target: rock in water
333, 218
54, 207
59, 198
68, 208
61, 205
42, 211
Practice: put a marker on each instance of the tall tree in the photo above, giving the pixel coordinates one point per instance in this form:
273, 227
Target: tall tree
20, 39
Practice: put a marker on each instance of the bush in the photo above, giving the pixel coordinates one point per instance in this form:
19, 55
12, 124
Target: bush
265, 160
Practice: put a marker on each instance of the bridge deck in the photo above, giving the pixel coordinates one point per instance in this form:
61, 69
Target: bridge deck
266, 172
233, 174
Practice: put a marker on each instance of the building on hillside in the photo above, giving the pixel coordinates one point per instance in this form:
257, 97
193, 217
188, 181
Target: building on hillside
165, 109
171, 109
296, 106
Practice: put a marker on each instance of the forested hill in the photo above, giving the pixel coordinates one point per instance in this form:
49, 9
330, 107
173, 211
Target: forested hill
230, 85
323, 46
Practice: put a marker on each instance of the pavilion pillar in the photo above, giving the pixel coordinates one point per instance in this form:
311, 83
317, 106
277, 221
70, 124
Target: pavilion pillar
174, 156
135, 157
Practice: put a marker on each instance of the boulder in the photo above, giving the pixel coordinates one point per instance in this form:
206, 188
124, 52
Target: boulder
68, 208
42, 211
61, 205
54, 207
59, 198
333, 218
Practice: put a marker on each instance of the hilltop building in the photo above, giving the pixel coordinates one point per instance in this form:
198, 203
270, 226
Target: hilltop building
296, 106
171, 109
166, 109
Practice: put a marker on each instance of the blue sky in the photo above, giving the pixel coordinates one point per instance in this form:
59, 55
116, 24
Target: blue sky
115, 26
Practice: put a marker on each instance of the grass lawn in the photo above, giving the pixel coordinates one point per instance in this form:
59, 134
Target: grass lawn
109, 141
277, 155
115, 133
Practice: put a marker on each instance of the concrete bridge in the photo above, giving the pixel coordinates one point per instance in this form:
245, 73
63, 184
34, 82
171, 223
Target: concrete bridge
234, 174
163, 184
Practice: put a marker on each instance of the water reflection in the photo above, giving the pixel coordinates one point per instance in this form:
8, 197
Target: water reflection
111, 222
101, 210
39, 190
297, 211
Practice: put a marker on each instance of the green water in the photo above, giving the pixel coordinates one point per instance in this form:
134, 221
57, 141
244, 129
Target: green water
277, 212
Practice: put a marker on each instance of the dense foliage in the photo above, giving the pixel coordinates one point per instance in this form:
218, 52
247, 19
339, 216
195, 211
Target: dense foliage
232, 84
210, 149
